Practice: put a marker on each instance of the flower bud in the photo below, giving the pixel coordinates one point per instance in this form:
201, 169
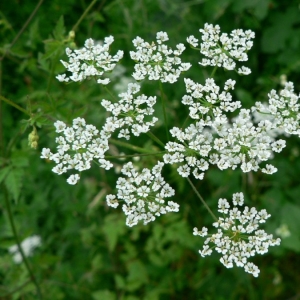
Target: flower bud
33, 139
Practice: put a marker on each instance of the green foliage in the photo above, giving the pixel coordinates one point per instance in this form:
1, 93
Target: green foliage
87, 252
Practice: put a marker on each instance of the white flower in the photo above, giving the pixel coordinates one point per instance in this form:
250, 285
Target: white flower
27, 245
192, 41
283, 231
130, 114
142, 194
223, 50
244, 71
156, 61
93, 60
85, 144
46, 153
73, 179
238, 236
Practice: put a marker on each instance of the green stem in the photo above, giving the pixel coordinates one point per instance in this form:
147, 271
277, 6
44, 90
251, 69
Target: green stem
110, 93
156, 139
13, 227
84, 15
135, 155
1, 115
51, 75
186, 119
129, 146
213, 72
23, 28
14, 105
164, 109
202, 200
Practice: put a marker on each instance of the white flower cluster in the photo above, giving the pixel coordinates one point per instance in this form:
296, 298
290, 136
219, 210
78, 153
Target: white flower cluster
238, 236
222, 144
157, 61
283, 110
213, 136
129, 113
206, 101
77, 147
27, 245
143, 194
224, 50
91, 61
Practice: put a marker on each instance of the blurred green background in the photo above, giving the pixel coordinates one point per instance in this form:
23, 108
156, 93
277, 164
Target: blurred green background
87, 252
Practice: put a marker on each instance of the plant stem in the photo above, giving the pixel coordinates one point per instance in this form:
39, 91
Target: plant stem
13, 227
186, 119
23, 28
155, 138
213, 72
202, 200
84, 15
129, 146
164, 108
51, 75
1, 115
134, 155
110, 93
14, 105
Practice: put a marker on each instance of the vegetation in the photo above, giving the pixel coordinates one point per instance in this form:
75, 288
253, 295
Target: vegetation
83, 248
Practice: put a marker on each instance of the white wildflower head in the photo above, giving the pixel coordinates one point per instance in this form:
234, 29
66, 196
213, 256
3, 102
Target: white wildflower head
238, 236
283, 231
215, 141
131, 114
143, 194
28, 245
207, 101
77, 146
93, 60
156, 61
224, 50
283, 109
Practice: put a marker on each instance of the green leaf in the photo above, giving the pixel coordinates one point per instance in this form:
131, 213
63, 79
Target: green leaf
258, 7
112, 229
59, 30
137, 275
276, 36
120, 282
4, 172
34, 34
104, 295
52, 48
20, 158
43, 63
97, 262
290, 215
292, 242
13, 182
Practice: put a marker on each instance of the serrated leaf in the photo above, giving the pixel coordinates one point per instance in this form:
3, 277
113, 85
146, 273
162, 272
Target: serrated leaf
137, 275
19, 52
20, 159
13, 182
59, 30
113, 228
4, 172
43, 63
52, 48
34, 34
